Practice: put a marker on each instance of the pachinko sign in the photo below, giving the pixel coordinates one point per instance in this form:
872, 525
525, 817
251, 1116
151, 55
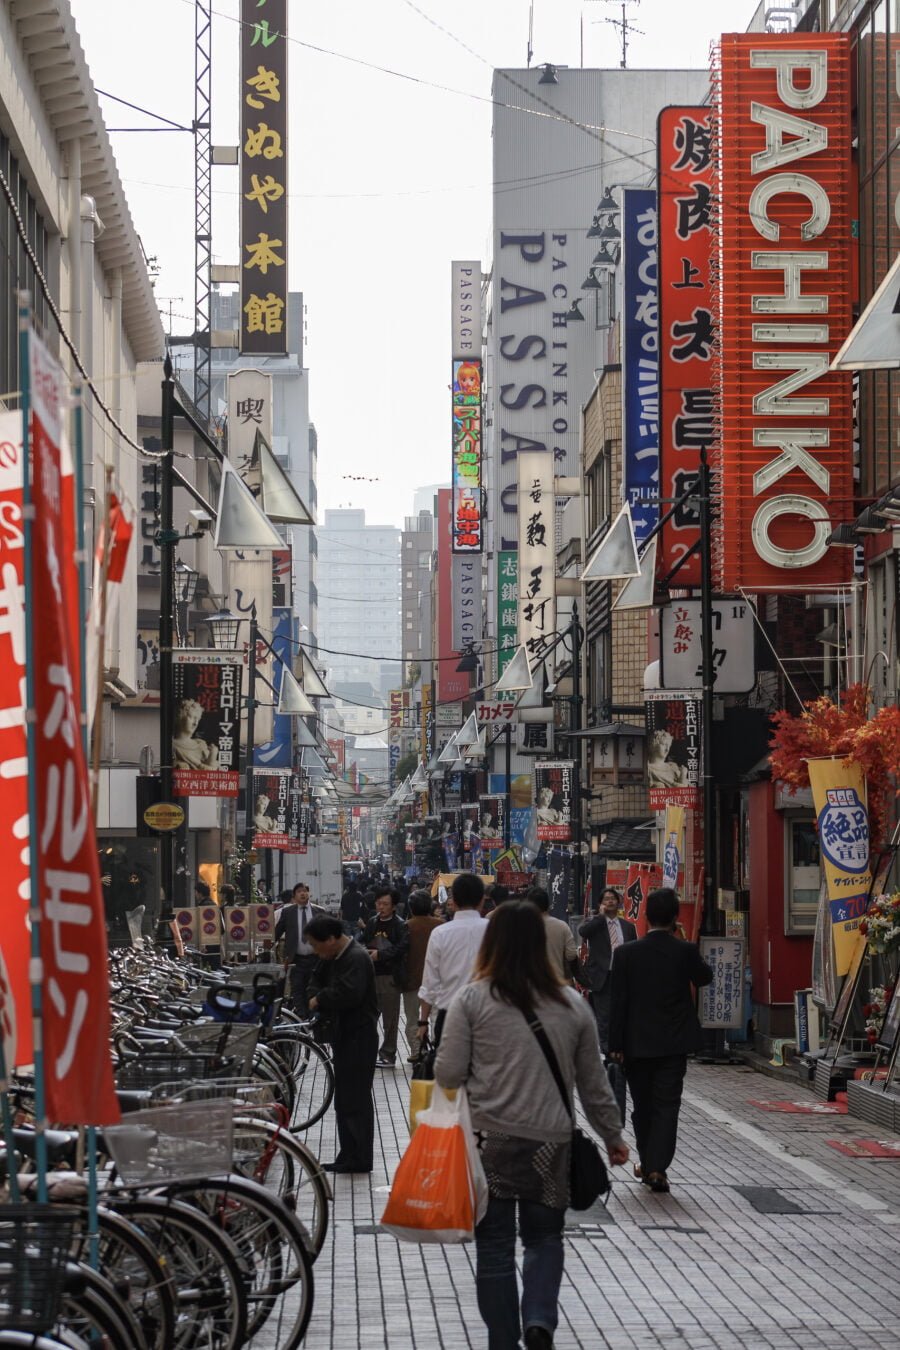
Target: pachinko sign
839, 797
206, 742
467, 536
785, 162
78, 1070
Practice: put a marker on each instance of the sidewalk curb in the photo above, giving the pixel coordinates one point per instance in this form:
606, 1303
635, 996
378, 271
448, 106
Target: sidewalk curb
792, 1074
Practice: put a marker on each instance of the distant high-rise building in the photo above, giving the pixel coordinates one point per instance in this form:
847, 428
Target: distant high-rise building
359, 632
416, 550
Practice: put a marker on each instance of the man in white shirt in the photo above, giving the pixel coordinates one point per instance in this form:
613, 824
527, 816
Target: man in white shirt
561, 950
451, 953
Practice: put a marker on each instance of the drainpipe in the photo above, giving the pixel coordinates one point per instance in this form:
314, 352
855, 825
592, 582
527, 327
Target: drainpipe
115, 405
91, 229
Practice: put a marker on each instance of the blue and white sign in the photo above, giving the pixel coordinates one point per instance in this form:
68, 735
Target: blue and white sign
277, 753
640, 357
844, 830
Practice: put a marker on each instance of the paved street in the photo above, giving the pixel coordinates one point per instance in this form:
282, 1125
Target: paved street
770, 1238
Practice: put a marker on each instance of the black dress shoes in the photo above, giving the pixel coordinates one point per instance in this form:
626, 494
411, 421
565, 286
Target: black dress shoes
343, 1167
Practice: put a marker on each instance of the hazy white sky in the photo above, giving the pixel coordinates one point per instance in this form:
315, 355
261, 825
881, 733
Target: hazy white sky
390, 180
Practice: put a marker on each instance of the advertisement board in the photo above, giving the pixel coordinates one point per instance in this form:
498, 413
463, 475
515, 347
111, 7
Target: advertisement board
687, 324
264, 177
466, 601
784, 129
722, 1001
553, 800
466, 462
206, 741
465, 310
272, 811
733, 645
507, 608
640, 357
451, 684
673, 749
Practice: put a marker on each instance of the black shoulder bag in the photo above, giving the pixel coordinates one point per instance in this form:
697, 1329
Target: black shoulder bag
588, 1177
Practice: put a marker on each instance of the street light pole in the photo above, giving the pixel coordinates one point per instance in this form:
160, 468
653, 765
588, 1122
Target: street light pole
249, 830
577, 826
710, 910
507, 821
167, 538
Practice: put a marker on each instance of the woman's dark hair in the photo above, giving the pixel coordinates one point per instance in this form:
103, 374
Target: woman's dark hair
324, 927
226, 894
420, 903
513, 957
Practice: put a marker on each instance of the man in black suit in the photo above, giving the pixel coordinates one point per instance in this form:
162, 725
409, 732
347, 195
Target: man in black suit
604, 933
653, 1028
299, 957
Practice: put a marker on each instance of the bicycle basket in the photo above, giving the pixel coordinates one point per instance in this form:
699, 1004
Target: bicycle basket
173, 1143
244, 1094
34, 1248
172, 1067
237, 1040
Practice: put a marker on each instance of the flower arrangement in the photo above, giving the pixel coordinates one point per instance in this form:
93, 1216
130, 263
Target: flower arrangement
875, 1010
844, 729
881, 925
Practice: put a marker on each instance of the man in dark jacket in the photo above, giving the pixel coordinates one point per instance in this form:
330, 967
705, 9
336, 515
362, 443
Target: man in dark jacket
342, 989
299, 958
386, 939
604, 933
352, 907
653, 1028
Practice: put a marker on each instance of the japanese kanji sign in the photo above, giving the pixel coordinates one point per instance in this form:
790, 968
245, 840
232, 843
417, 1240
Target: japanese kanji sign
640, 357
680, 648
495, 710
206, 743
839, 795
553, 800
276, 819
492, 825
673, 749
537, 552
78, 1070
687, 328
467, 536
507, 608
722, 1001
786, 240
264, 177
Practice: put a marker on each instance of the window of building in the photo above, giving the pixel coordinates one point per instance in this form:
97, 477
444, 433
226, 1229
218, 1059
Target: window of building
801, 887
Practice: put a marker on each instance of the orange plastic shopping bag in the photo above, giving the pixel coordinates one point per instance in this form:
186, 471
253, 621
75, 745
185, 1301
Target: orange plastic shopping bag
439, 1190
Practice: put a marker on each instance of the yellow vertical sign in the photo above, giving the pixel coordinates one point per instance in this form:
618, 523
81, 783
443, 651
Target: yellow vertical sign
673, 846
839, 796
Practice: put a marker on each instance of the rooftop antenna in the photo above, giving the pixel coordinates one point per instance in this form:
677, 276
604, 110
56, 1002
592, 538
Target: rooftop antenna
625, 27
530, 34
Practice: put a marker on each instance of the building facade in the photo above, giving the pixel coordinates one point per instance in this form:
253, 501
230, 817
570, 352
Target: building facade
359, 632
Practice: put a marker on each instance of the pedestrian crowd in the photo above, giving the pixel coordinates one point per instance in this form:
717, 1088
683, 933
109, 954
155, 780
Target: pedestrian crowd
497, 991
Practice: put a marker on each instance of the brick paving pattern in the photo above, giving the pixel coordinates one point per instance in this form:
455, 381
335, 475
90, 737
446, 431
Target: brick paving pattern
770, 1239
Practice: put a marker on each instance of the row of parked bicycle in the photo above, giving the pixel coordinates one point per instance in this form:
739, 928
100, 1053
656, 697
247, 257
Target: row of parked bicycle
212, 1210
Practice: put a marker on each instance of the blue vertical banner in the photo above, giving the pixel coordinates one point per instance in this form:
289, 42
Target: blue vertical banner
640, 357
276, 754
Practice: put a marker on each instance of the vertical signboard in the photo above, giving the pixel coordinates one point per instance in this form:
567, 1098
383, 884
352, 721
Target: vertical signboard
249, 572
466, 601
507, 608
553, 800
14, 932
451, 684
640, 358
673, 749
466, 467
784, 106
206, 743
78, 1069
275, 825
264, 177
465, 310
537, 552
687, 328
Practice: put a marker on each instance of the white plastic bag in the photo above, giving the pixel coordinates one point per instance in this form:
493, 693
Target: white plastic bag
446, 1110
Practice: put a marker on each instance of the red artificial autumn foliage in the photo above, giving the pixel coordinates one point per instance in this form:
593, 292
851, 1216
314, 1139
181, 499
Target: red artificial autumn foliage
826, 728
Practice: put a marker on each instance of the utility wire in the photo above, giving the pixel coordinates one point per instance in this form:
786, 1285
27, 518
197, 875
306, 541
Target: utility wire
135, 107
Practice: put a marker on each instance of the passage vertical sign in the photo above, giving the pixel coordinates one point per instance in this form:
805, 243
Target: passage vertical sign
264, 177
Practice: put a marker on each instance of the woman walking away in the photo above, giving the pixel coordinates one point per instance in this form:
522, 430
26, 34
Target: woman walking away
520, 1121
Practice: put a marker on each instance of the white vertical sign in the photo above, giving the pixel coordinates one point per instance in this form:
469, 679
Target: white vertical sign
537, 552
465, 309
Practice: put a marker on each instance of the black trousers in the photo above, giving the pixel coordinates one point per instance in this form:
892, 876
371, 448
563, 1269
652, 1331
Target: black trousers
656, 1086
301, 973
354, 1056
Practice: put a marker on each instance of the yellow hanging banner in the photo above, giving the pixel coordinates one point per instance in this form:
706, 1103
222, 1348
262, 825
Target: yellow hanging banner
839, 795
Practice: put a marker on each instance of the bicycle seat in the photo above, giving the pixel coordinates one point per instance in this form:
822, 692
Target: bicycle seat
61, 1144
133, 1100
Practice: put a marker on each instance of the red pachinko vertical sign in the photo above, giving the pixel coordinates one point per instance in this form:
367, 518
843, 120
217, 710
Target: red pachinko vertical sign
687, 326
783, 109
73, 934
15, 1013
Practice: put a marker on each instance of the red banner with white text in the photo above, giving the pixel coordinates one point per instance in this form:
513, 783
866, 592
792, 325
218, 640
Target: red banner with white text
15, 1011
78, 1070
